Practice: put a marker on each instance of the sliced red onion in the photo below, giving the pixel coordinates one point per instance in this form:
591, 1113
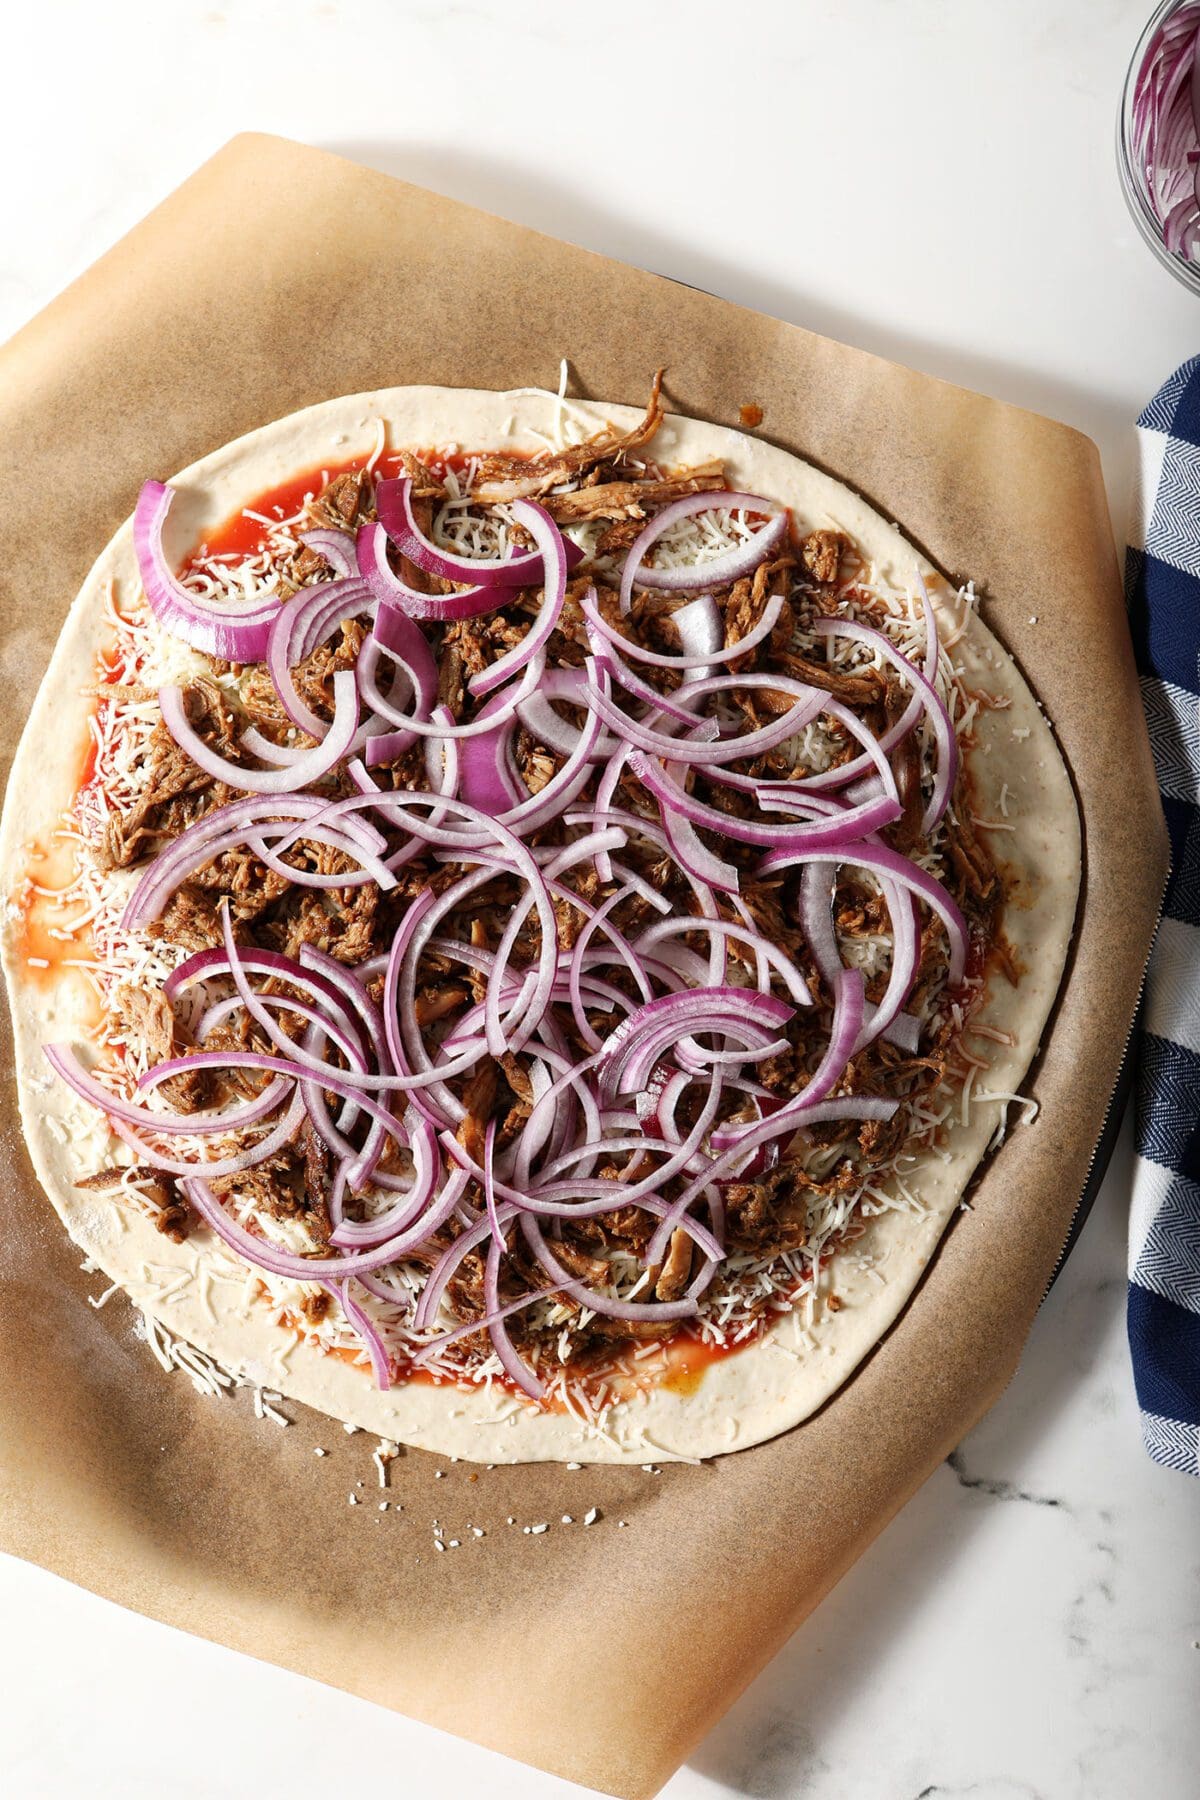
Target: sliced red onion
401, 640
1165, 128
851, 1109
520, 859
361, 1322
445, 1339
698, 748
296, 631
699, 621
631, 1050
523, 568
513, 1365
606, 790
513, 1031
845, 773
887, 1019
702, 633
717, 571
588, 1199
319, 762
234, 636
373, 565
370, 867
757, 1160
412, 1202
636, 883
778, 959
847, 1023
595, 918
489, 778
337, 547
349, 1042
355, 1001
637, 1062
387, 748
65, 1062
254, 741
660, 1310
560, 1201
888, 863
534, 811
679, 706
939, 719
571, 1084
208, 965
552, 549
838, 833
598, 919
443, 759
695, 858
811, 703
604, 813
426, 1308
816, 917
315, 617
539, 717
222, 829
348, 1083
267, 1146
430, 1094
289, 1266
548, 1136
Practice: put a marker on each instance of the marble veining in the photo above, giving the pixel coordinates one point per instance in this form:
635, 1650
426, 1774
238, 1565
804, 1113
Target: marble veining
993, 1488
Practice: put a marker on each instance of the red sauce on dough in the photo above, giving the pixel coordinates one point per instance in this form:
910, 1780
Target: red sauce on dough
241, 535
50, 864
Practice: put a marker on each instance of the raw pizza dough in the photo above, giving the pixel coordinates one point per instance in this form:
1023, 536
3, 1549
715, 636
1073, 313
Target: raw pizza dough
740, 1399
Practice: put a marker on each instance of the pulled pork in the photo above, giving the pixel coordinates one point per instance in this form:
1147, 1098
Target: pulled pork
767, 1216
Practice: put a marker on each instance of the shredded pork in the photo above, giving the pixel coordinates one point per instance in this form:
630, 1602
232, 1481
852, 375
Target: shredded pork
610, 480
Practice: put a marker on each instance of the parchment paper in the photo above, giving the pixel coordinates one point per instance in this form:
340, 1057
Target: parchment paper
277, 276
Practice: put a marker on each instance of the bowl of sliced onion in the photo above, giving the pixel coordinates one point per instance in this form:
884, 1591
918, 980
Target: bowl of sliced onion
1158, 137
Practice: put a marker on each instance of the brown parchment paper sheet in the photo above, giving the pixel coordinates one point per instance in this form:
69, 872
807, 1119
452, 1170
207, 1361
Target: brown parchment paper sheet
277, 276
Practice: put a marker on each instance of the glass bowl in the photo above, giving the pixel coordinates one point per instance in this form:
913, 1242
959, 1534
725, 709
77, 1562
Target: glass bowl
1133, 183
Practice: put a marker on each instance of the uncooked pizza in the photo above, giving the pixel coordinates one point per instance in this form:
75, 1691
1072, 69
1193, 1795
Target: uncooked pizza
524, 920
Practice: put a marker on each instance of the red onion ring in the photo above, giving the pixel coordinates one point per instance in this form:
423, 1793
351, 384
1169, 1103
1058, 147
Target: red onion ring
514, 1366
387, 587
317, 762
552, 550
694, 662
287, 1265
393, 503
838, 833
939, 718
881, 860
539, 717
717, 571
233, 636
359, 1321
64, 1061
337, 547
297, 629
237, 1164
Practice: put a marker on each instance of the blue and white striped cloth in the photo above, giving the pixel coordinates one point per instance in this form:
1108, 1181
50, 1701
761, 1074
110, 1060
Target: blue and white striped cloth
1163, 577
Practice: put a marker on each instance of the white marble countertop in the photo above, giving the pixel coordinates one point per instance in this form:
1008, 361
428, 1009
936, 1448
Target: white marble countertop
935, 182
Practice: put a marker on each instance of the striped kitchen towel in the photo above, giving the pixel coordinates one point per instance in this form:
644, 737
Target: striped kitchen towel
1163, 575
